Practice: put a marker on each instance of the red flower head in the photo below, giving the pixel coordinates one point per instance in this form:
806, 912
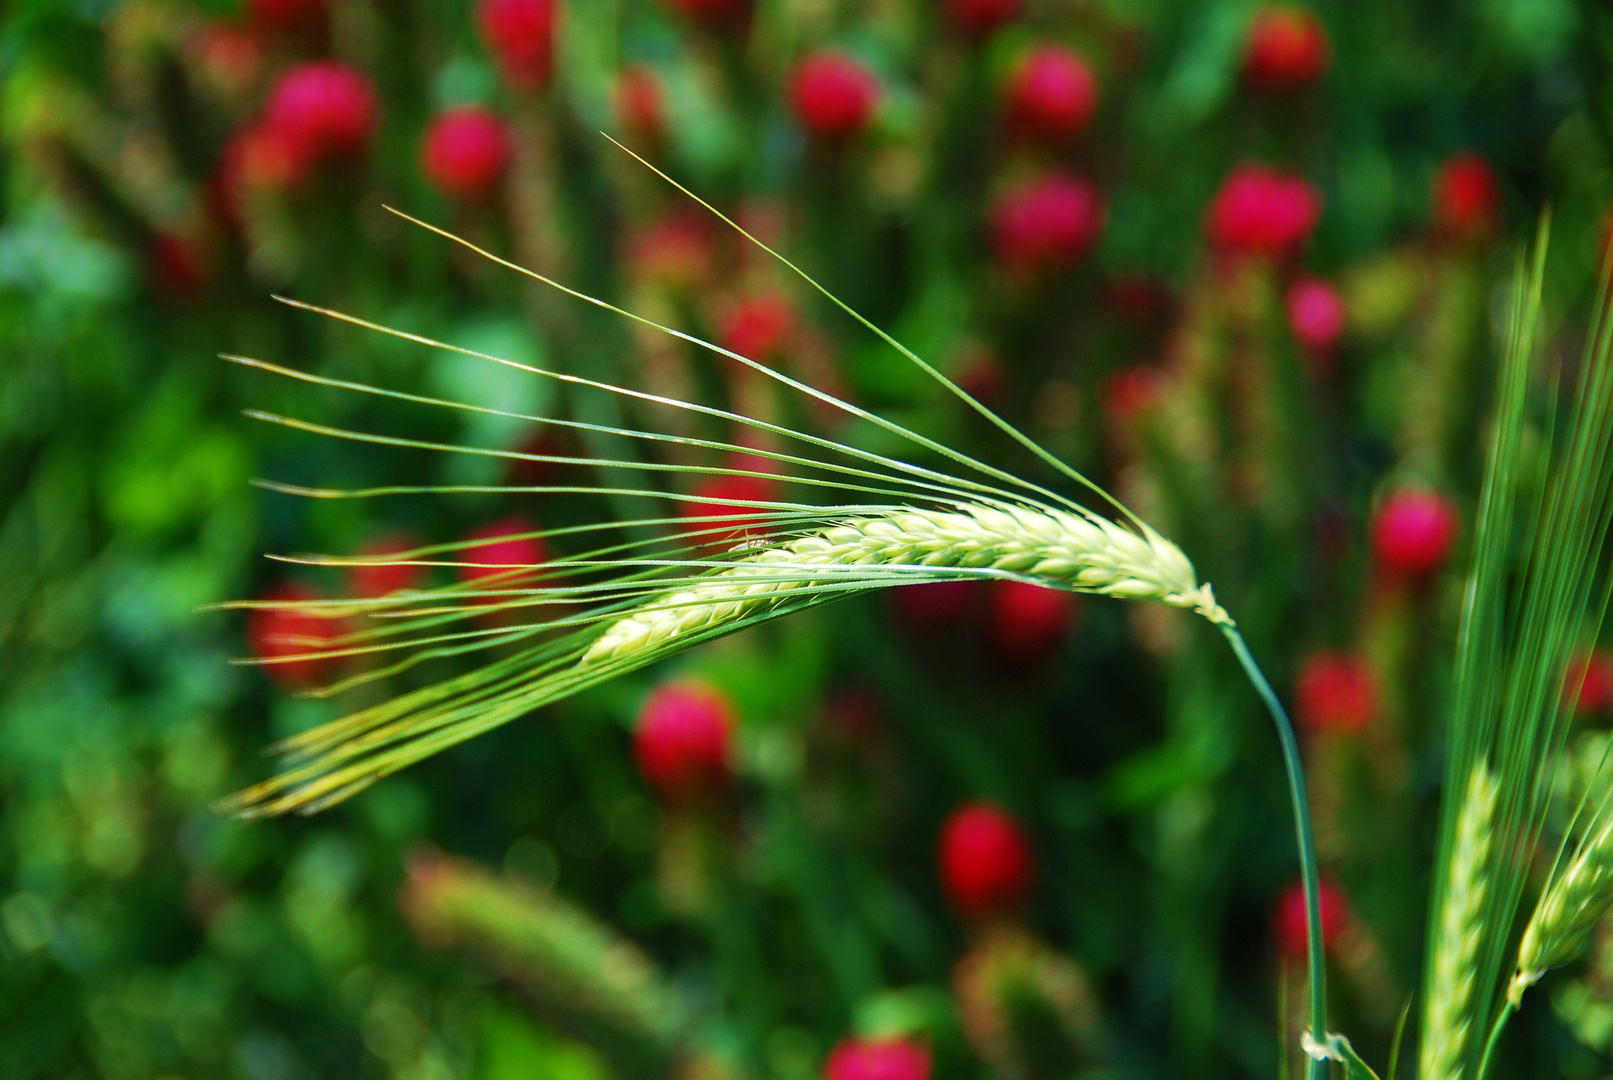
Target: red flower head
759, 327
292, 631
228, 55
263, 158
1467, 198
1028, 621
506, 546
1261, 211
1290, 925
1286, 48
934, 604
834, 95
677, 251
376, 579
521, 35
464, 152
1588, 684
714, 13
1315, 315
716, 496
1048, 223
326, 107
986, 862
1335, 693
178, 265
681, 741
289, 16
1129, 393
1053, 94
1413, 532
877, 1059
638, 104
977, 18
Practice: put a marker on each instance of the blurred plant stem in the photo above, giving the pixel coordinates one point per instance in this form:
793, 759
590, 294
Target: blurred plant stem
1316, 954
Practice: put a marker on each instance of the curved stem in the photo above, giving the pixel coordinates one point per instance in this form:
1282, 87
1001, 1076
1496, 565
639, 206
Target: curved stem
1309, 873
1495, 1036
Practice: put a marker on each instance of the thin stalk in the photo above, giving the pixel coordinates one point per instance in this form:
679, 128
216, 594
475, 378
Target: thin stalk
1495, 1036
1309, 874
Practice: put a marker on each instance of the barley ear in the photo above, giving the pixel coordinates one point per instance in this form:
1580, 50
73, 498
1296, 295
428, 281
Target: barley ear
1448, 1016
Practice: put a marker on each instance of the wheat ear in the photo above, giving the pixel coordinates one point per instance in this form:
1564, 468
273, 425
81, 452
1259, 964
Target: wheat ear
1447, 1019
1082, 552
1573, 903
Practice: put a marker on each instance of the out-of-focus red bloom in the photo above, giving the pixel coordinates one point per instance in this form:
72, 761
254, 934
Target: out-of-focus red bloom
1412, 533
834, 95
1137, 298
986, 862
681, 740
1052, 94
638, 104
980, 375
1048, 223
759, 327
504, 546
977, 18
1290, 926
1467, 198
716, 496
465, 152
262, 158
328, 108
1335, 694
1261, 211
227, 55
1286, 48
714, 13
1028, 621
379, 578
1315, 314
178, 265
289, 15
1130, 392
520, 34
677, 251
934, 604
1588, 684
275, 633
877, 1059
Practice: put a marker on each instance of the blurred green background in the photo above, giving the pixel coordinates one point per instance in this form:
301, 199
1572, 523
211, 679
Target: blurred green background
558, 917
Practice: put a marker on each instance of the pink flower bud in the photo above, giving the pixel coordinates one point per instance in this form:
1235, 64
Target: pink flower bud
327, 107
681, 740
1413, 532
1588, 684
834, 95
1291, 927
505, 546
293, 631
1047, 224
978, 18
1261, 211
1467, 198
520, 34
986, 862
1335, 693
1029, 621
877, 1059
1315, 315
1053, 94
1286, 48
465, 152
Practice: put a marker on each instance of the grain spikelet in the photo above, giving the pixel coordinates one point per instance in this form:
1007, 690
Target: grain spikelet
1447, 1019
